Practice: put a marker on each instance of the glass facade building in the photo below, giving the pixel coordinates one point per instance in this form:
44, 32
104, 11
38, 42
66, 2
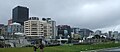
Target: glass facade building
20, 14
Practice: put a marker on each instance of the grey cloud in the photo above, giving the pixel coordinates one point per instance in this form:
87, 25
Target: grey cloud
91, 14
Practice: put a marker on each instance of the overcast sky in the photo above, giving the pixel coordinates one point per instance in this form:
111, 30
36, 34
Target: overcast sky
92, 14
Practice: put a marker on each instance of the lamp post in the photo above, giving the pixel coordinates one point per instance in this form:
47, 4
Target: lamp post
13, 33
68, 38
14, 37
60, 38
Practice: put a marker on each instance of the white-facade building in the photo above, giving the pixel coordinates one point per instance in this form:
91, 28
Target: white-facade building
36, 28
54, 28
17, 36
15, 28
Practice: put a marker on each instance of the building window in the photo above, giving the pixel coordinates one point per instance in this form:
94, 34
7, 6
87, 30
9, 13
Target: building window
26, 30
41, 24
45, 27
45, 34
50, 27
41, 28
34, 25
45, 30
26, 26
34, 32
34, 29
50, 30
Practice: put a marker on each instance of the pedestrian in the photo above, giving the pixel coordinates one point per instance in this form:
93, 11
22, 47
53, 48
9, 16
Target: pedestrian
35, 48
41, 46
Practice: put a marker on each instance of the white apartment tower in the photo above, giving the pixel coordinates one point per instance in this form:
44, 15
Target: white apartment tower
54, 28
35, 27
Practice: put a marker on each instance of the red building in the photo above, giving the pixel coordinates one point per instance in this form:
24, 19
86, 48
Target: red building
9, 21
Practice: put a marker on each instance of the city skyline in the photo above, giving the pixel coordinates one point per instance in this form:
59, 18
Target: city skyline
92, 14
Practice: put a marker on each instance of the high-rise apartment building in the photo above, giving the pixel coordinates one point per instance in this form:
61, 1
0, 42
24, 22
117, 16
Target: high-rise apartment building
54, 28
36, 28
20, 14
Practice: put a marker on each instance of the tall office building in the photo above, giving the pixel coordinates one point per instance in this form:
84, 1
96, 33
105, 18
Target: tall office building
20, 14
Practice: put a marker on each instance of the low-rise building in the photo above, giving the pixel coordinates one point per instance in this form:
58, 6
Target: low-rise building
96, 39
14, 28
98, 32
85, 32
64, 30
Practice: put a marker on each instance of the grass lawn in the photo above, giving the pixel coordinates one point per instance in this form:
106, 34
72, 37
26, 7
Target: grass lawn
65, 48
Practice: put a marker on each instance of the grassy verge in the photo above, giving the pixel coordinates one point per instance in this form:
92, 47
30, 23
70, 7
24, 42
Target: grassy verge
65, 48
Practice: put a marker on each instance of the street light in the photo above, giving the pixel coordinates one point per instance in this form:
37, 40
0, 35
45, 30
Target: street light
68, 38
60, 38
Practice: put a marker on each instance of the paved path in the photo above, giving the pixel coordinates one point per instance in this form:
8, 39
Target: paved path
116, 49
110, 50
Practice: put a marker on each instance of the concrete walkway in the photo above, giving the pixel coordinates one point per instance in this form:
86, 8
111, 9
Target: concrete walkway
115, 49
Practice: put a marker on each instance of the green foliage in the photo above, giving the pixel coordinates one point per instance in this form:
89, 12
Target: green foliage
64, 48
28, 46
